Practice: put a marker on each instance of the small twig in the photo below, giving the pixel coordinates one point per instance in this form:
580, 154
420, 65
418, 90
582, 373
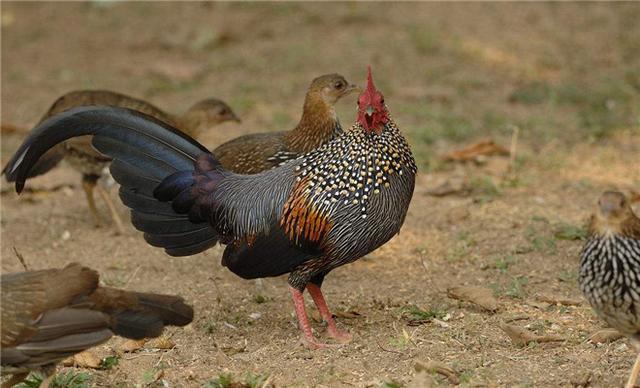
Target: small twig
131, 276
513, 148
21, 258
266, 382
139, 355
162, 357
388, 350
218, 299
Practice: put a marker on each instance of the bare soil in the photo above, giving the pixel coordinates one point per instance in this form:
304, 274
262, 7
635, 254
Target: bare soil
567, 75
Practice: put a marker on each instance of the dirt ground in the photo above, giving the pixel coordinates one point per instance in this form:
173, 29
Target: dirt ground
566, 75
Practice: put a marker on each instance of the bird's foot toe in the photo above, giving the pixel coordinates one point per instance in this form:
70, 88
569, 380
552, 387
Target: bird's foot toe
313, 344
342, 337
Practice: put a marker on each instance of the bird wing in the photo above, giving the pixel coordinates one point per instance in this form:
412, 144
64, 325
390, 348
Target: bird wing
27, 295
58, 334
254, 153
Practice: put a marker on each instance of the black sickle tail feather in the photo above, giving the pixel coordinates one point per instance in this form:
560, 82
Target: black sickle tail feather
145, 152
191, 192
46, 163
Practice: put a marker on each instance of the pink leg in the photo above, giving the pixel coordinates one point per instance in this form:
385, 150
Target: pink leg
303, 321
321, 304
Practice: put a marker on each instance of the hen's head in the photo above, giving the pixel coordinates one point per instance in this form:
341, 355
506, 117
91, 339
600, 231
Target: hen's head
331, 87
614, 215
212, 111
372, 113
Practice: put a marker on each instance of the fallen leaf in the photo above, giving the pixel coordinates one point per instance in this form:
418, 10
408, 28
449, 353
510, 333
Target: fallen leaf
538, 305
605, 336
160, 343
438, 367
130, 346
480, 296
475, 151
522, 337
86, 359
347, 314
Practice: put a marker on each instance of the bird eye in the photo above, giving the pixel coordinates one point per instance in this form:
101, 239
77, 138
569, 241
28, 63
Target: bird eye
339, 85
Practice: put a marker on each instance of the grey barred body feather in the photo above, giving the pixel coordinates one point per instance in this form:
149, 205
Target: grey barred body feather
610, 280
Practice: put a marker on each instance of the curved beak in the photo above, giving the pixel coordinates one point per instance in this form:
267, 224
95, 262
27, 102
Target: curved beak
352, 88
233, 117
369, 110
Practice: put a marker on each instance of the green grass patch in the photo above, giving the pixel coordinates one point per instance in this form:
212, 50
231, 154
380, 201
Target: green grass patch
415, 315
484, 189
565, 231
109, 362
531, 93
515, 289
502, 263
71, 379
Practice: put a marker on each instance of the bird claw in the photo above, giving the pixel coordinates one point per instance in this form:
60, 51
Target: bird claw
343, 337
312, 344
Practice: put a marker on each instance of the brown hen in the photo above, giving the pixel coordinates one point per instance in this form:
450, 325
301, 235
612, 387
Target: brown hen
251, 154
52, 314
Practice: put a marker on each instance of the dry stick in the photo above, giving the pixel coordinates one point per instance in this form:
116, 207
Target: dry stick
388, 350
131, 276
513, 149
21, 258
266, 382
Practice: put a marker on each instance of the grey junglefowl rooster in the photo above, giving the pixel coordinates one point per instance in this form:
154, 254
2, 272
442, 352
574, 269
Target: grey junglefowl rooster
52, 314
610, 268
327, 208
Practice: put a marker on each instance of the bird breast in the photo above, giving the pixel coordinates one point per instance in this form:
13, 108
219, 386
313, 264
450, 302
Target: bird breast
610, 279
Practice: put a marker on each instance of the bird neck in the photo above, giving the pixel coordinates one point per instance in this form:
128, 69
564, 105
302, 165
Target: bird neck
629, 226
317, 125
191, 122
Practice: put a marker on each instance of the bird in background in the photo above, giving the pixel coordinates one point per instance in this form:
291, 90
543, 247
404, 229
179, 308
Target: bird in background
610, 268
254, 153
52, 314
324, 209
82, 157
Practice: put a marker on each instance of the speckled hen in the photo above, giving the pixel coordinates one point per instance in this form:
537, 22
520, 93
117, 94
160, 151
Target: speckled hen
610, 268
327, 208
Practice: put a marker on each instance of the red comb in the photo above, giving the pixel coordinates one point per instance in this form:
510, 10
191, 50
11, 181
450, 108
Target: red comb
370, 86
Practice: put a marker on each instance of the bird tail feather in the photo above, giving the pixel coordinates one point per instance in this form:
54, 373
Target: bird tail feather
145, 151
